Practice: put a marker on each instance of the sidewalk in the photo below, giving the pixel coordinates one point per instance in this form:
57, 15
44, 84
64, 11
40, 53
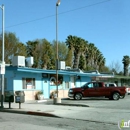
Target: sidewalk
40, 107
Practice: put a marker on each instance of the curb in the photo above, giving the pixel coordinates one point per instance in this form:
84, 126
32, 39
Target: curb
41, 114
12, 111
77, 105
29, 113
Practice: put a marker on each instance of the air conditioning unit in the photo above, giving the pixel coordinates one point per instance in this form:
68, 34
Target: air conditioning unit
61, 65
18, 61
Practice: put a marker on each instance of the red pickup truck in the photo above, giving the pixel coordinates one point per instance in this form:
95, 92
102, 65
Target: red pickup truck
96, 89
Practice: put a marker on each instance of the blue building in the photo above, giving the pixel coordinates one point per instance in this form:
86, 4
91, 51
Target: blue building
31, 80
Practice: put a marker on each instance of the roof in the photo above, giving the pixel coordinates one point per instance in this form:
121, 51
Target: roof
63, 72
122, 77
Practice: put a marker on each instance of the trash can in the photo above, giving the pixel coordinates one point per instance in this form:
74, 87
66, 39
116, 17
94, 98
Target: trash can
19, 97
9, 96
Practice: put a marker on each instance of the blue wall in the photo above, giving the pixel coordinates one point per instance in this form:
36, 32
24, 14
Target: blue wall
14, 81
9, 75
18, 80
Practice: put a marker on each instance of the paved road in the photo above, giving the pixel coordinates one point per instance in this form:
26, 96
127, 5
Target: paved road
101, 112
9, 121
103, 102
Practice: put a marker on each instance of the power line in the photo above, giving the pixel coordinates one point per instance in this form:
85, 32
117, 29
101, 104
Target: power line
30, 21
85, 6
58, 14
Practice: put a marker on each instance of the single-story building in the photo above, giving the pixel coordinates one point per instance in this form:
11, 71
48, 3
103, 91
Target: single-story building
31, 80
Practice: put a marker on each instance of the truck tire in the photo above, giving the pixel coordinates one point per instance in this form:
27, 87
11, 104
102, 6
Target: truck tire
121, 97
78, 96
115, 96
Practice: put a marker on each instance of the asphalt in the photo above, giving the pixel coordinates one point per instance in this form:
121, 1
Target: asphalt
70, 110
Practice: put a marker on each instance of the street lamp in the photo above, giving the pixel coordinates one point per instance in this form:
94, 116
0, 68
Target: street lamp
3, 63
57, 58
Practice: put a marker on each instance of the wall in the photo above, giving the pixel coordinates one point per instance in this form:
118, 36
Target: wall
18, 80
9, 75
14, 83
84, 80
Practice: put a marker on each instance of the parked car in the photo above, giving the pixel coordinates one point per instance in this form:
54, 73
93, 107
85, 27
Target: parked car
96, 89
128, 91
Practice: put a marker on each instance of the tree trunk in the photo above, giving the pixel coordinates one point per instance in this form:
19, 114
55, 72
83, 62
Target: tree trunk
126, 70
76, 60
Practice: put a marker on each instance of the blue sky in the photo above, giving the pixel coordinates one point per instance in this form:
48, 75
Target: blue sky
106, 23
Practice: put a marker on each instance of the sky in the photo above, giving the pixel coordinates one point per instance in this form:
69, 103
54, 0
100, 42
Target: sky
106, 23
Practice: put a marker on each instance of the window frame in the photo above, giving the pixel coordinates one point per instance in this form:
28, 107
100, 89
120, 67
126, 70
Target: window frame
28, 80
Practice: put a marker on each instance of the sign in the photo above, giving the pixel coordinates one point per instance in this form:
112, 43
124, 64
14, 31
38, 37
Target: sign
44, 75
18, 99
2, 68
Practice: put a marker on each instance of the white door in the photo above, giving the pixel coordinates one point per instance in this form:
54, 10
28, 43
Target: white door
72, 82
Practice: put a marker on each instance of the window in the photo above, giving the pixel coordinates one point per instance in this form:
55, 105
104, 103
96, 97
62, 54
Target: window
90, 85
53, 81
111, 85
100, 85
28, 83
97, 85
85, 85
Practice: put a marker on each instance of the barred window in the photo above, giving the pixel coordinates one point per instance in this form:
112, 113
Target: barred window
28, 83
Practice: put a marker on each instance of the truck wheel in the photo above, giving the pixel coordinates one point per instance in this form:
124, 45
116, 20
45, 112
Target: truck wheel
121, 97
116, 96
78, 96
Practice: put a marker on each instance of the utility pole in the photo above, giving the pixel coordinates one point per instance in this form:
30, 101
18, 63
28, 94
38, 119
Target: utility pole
2, 66
57, 57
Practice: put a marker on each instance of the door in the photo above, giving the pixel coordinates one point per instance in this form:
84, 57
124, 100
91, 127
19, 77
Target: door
99, 89
46, 88
72, 81
90, 90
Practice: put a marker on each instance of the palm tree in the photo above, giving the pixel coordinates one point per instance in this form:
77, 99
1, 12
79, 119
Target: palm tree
90, 54
94, 58
82, 63
101, 62
126, 62
97, 55
69, 58
78, 46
